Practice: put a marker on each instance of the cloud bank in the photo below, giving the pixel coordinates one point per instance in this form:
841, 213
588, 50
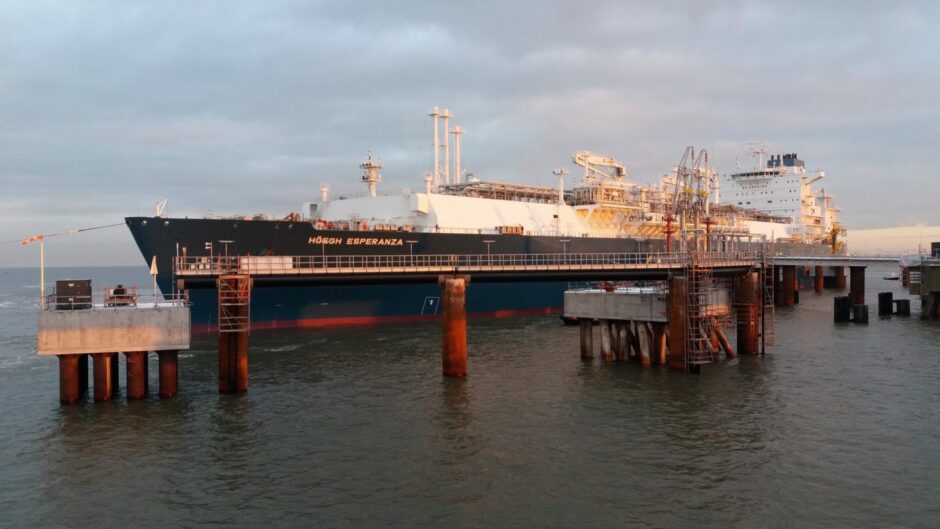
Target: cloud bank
231, 107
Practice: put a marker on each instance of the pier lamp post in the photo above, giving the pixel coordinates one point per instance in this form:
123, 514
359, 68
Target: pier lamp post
489, 257
411, 251
42, 266
211, 260
226, 243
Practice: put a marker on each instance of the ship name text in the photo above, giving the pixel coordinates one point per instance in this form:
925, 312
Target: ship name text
356, 241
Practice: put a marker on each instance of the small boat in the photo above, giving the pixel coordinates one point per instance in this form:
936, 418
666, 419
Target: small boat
892, 277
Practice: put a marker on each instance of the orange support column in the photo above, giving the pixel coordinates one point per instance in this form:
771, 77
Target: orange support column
225, 348
102, 368
454, 325
169, 377
68, 378
659, 338
241, 362
857, 285
818, 279
839, 281
135, 363
747, 302
234, 326
676, 310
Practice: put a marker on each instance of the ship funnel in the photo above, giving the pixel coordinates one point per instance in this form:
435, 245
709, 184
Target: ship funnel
457, 132
436, 170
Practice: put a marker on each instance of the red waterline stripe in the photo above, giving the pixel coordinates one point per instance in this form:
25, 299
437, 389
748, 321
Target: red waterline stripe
205, 328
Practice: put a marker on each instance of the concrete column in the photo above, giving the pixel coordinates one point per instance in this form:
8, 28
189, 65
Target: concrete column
454, 325
82, 374
841, 309
169, 377
747, 303
857, 285
677, 308
839, 277
818, 279
102, 367
606, 353
134, 372
622, 351
643, 341
787, 293
885, 303
587, 339
68, 378
629, 352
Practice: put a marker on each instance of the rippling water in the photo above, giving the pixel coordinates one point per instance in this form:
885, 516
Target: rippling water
837, 426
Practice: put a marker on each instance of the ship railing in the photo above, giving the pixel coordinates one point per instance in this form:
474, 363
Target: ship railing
114, 298
405, 263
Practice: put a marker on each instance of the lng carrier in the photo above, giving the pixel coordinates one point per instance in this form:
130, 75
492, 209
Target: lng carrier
603, 212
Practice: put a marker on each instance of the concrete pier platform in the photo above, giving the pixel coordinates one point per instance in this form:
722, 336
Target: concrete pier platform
71, 331
149, 327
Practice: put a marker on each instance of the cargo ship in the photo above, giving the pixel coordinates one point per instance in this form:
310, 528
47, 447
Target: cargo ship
457, 214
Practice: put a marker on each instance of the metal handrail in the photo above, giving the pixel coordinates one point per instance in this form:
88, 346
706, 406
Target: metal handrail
403, 263
106, 301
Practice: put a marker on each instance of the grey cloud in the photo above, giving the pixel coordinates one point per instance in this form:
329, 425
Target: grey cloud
242, 107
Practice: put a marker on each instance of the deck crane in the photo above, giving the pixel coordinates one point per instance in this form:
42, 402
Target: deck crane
600, 168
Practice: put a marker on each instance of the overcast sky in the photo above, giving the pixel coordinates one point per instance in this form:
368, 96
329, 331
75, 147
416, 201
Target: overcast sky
243, 107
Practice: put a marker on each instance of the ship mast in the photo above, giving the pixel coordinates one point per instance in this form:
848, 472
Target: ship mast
370, 174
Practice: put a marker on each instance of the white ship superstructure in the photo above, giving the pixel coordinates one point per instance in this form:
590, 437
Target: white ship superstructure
783, 188
772, 203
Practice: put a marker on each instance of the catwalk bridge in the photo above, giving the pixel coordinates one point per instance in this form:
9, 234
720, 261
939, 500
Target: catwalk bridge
202, 272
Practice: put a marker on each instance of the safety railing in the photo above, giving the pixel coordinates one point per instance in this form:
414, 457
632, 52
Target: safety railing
110, 298
190, 266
